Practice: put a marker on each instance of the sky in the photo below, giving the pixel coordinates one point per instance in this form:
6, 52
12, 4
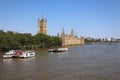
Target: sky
88, 18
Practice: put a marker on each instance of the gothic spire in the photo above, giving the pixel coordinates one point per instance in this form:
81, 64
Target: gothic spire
63, 30
72, 32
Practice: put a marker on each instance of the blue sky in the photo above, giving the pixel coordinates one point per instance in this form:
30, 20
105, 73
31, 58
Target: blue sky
89, 18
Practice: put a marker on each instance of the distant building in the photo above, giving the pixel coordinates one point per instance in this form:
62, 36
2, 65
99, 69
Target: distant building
71, 39
42, 26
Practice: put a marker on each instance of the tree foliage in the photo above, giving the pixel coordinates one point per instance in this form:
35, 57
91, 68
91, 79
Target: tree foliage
10, 40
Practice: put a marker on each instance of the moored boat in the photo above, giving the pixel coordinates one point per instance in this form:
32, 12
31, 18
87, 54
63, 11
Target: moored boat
9, 54
58, 50
17, 53
27, 54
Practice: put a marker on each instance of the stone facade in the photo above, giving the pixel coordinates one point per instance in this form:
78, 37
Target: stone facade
42, 26
71, 39
67, 39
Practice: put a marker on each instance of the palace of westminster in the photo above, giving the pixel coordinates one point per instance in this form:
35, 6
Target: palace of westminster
67, 39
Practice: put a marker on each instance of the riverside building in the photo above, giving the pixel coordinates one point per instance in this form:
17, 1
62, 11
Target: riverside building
71, 39
67, 39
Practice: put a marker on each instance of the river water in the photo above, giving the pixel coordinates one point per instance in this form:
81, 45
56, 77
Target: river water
88, 62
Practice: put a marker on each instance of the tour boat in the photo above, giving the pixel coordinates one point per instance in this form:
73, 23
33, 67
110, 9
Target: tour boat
17, 53
9, 54
27, 54
58, 50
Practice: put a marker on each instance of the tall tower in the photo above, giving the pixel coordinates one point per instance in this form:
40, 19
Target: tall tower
42, 26
63, 34
72, 32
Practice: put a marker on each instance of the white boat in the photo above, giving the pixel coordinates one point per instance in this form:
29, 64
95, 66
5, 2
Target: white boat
27, 54
58, 50
17, 53
9, 54
62, 49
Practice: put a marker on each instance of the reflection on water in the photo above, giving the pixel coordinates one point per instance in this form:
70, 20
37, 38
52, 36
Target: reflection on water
17, 68
7, 60
63, 55
59, 54
10, 60
89, 62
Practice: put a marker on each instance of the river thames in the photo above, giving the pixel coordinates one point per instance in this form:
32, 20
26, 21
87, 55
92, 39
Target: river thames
87, 62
